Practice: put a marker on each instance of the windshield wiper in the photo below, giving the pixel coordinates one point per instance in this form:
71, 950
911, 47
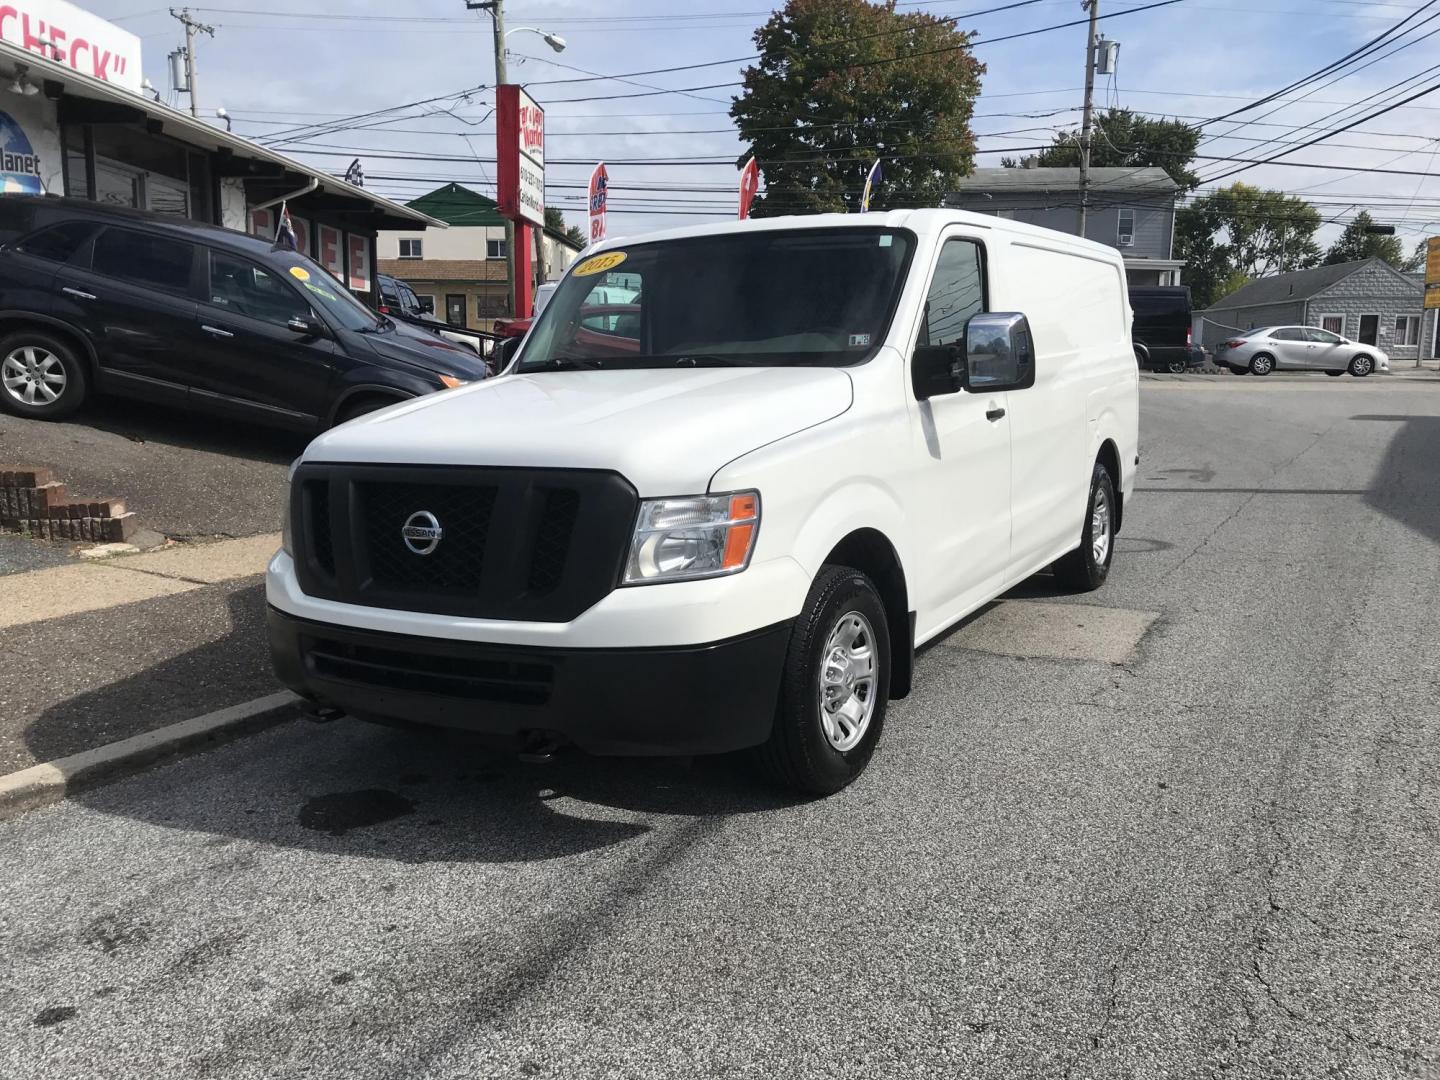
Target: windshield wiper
706, 360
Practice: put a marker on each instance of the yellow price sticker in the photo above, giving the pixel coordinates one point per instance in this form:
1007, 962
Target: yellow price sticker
299, 273
598, 264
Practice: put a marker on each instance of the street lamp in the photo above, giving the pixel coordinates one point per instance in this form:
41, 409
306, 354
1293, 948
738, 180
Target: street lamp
555, 41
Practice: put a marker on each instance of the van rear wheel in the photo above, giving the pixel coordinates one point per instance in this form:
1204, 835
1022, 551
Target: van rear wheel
1086, 568
835, 687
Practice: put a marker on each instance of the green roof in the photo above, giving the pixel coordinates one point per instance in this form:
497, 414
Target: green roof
455, 204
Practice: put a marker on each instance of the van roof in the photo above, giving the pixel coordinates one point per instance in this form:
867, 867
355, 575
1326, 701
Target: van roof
925, 221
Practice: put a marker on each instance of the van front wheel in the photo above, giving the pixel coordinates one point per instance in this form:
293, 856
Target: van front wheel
1086, 568
835, 686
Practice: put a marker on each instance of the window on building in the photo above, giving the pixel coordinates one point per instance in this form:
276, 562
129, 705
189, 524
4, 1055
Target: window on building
411, 249
1125, 228
1334, 323
495, 249
1407, 330
155, 261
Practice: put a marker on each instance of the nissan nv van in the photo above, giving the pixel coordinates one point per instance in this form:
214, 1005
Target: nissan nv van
723, 514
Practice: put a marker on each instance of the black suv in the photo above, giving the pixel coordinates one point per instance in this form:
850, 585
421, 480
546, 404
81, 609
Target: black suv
96, 298
1162, 329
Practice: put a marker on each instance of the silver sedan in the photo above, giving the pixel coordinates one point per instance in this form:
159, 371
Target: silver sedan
1298, 348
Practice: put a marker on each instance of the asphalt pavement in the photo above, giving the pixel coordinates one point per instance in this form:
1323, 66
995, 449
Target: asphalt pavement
1214, 854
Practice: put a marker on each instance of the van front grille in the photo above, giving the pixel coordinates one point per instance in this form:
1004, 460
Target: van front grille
524, 544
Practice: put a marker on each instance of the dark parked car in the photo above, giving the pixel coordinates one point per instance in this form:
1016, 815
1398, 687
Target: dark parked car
110, 300
1162, 329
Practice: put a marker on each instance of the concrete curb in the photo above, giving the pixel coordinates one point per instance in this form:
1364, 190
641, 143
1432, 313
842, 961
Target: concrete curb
51, 781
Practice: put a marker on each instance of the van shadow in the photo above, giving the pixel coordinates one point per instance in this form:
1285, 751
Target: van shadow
406, 795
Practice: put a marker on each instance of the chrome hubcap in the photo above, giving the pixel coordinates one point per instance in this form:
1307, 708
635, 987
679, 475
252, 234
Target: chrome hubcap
33, 375
847, 681
1100, 527
1362, 365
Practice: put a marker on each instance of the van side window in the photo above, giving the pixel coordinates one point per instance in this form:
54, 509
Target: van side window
956, 292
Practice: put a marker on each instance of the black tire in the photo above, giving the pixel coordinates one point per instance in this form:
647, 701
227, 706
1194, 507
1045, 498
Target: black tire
1262, 364
20, 352
798, 754
361, 406
1361, 365
1177, 367
1080, 570
1337, 374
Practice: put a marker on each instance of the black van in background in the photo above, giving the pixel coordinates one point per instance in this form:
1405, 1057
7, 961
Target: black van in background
1162, 329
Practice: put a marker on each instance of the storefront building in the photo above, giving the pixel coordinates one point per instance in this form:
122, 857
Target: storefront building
75, 121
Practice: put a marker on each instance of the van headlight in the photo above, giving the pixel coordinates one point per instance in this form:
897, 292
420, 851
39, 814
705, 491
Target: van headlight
694, 536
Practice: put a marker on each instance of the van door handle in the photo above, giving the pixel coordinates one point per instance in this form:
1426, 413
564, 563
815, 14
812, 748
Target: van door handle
217, 331
78, 292
995, 413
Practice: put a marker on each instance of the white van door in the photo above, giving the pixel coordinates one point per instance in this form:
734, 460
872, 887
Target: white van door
959, 502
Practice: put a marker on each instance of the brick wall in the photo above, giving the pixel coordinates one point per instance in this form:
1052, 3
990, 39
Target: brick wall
1221, 323
1372, 290
32, 501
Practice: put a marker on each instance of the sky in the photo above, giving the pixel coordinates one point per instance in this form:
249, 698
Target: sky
280, 67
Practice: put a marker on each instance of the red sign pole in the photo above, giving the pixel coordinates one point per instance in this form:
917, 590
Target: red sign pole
524, 269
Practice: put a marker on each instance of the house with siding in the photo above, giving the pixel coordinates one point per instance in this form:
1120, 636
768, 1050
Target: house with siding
464, 272
1368, 301
1129, 209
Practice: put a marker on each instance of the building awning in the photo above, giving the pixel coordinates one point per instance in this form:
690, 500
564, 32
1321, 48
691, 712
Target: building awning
115, 104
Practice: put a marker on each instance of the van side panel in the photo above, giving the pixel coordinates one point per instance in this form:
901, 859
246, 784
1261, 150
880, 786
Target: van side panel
1084, 369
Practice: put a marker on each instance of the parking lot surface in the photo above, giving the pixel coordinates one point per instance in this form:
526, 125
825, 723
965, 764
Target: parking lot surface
1198, 840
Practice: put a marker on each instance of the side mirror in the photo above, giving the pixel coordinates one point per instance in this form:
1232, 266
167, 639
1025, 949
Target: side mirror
507, 350
999, 352
937, 370
306, 326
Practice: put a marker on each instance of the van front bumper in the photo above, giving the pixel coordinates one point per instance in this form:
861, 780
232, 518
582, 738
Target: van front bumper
691, 699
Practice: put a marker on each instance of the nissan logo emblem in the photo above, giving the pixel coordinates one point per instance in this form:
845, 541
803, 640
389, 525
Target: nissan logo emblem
422, 532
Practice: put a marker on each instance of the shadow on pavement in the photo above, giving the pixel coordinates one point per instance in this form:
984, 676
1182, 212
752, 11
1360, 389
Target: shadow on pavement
1407, 483
348, 787
141, 422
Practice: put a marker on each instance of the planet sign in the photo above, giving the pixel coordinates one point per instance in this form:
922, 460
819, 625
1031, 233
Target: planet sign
19, 164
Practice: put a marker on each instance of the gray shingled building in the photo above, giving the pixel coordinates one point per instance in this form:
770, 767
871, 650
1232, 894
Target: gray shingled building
1368, 301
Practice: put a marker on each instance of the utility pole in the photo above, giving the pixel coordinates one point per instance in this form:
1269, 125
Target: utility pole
497, 16
191, 28
1094, 6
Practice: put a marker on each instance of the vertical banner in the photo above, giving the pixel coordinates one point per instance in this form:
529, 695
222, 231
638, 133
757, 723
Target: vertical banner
520, 155
331, 253
599, 199
749, 184
358, 262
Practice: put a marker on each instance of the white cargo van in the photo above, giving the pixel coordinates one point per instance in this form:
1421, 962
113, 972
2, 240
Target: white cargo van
722, 513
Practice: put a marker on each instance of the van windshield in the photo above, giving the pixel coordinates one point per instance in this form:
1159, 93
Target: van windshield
764, 298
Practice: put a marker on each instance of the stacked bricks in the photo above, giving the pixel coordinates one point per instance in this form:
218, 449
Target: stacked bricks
32, 501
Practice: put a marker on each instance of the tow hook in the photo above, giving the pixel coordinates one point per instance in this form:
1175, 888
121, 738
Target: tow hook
538, 747
317, 713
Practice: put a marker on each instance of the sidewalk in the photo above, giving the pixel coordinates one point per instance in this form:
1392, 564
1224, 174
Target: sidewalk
101, 651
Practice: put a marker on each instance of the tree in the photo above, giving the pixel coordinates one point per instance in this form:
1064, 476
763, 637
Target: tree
554, 219
842, 82
1242, 232
1120, 138
1416, 262
1355, 244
